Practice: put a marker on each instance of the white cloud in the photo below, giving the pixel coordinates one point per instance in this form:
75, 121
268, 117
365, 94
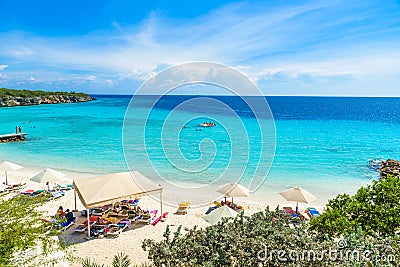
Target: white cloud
263, 40
3, 67
109, 82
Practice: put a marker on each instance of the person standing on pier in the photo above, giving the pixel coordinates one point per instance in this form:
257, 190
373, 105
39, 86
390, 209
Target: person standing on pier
20, 129
16, 129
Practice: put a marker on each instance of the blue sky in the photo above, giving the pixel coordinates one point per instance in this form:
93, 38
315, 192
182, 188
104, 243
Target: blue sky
286, 47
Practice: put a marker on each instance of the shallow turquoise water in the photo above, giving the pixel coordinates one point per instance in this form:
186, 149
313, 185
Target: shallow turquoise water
314, 148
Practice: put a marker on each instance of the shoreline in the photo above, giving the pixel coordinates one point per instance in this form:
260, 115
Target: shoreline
130, 241
267, 194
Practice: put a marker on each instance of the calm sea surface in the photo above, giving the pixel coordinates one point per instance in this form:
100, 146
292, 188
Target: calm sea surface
322, 143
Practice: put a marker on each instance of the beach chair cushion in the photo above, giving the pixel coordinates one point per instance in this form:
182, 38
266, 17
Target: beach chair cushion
182, 208
68, 224
58, 194
312, 212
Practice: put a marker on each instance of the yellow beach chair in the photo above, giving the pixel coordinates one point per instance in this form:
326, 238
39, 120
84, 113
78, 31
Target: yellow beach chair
182, 209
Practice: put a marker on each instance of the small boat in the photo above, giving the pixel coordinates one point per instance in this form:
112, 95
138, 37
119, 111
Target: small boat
207, 124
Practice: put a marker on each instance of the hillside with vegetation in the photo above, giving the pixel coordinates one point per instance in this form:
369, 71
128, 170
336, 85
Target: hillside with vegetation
13, 97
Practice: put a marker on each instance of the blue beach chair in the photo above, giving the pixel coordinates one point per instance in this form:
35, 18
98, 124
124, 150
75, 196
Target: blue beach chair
313, 212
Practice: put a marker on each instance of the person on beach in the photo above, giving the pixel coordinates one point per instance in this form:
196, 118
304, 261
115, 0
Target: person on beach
117, 208
60, 213
69, 216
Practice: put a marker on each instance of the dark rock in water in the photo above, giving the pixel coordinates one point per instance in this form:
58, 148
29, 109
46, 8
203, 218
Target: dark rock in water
390, 167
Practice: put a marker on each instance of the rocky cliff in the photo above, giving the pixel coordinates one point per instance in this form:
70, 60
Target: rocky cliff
390, 167
11, 101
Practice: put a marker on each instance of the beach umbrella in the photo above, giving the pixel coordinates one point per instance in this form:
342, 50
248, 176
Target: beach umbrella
298, 194
47, 176
216, 215
233, 189
9, 166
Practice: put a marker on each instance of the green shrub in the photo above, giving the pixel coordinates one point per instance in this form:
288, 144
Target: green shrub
265, 239
374, 208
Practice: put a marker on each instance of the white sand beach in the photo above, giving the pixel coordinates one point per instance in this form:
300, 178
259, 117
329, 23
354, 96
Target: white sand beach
130, 241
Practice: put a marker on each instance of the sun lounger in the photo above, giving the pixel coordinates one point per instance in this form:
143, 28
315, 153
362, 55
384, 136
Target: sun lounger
114, 230
122, 213
105, 221
15, 187
133, 202
163, 216
312, 212
63, 224
133, 214
64, 187
57, 194
67, 224
217, 204
97, 229
128, 204
27, 192
100, 211
38, 192
291, 212
146, 217
83, 227
126, 223
210, 209
182, 208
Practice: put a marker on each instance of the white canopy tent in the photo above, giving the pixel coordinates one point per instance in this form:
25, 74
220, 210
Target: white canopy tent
106, 189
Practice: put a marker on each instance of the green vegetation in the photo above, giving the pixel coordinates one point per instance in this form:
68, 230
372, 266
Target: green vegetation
362, 226
264, 239
5, 93
374, 209
21, 228
119, 260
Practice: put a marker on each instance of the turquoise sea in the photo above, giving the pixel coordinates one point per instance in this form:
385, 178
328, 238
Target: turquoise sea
322, 143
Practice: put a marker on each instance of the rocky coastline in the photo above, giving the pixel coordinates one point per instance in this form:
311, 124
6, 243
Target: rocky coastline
12, 101
389, 167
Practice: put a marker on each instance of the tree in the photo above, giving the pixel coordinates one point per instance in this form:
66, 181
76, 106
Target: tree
21, 228
374, 208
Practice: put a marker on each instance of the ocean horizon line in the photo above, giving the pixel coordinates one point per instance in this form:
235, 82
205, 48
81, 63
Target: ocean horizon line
218, 95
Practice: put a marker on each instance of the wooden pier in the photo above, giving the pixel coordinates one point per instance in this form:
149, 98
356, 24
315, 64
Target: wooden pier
12, 137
